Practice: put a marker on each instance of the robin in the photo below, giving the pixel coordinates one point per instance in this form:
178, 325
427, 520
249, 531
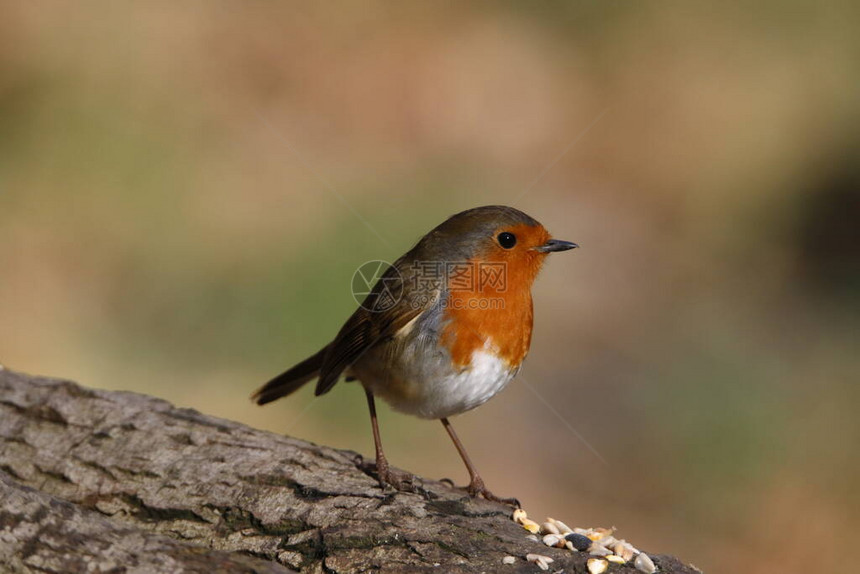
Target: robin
443, 330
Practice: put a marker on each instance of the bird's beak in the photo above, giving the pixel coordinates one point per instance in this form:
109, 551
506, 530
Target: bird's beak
556, 245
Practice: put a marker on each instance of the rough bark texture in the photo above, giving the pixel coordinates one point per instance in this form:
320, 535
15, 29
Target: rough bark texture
97, 481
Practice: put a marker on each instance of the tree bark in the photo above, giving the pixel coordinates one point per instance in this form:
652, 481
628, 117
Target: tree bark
98, 481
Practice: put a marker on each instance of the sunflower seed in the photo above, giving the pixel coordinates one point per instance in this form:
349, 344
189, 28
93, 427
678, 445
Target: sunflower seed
542, 561
643, 563
562, 527
598, 549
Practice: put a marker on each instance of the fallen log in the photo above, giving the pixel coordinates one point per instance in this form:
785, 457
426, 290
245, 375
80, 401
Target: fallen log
106, 481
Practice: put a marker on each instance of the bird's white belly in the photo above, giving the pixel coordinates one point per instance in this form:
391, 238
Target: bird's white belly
467, 389
431, 388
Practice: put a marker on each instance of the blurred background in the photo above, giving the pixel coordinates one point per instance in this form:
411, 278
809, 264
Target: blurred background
186, 190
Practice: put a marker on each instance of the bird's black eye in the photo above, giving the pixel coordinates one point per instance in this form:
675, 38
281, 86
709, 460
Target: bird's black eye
507, 239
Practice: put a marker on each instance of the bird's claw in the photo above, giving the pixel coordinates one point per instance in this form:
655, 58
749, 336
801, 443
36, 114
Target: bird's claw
401, 481
476, 488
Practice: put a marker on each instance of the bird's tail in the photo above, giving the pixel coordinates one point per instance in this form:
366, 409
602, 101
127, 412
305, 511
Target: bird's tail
291, 380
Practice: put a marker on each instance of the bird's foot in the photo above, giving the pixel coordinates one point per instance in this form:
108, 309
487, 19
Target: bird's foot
476, 488
387, 476
402, 481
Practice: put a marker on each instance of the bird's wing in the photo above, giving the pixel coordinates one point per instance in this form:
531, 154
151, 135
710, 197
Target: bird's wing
384, 312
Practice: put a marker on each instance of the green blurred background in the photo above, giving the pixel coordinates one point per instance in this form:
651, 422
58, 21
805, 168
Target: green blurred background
187, 188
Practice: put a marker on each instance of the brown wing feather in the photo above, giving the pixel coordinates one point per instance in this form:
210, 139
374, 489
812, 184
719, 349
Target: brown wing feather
365, 328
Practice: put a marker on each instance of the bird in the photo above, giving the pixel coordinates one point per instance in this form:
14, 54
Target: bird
445, 328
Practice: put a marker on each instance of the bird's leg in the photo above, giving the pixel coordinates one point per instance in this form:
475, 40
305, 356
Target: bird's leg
476, 483
385, 474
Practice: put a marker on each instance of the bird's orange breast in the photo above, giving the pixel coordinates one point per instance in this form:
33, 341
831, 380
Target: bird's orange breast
492, 309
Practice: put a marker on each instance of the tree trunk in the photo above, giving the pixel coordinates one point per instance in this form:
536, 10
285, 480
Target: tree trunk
98, 481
